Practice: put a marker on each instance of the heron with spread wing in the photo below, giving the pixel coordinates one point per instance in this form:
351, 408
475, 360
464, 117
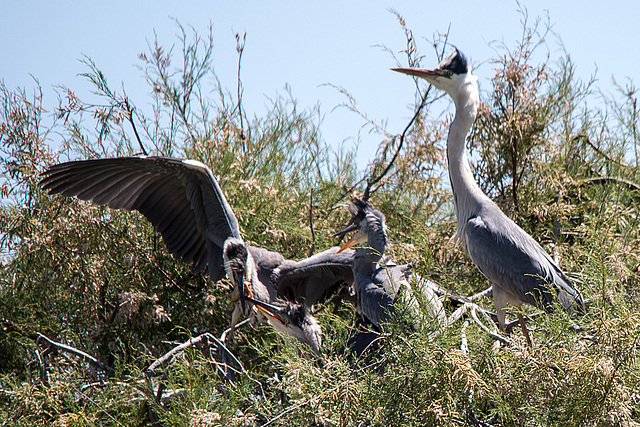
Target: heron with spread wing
184, 202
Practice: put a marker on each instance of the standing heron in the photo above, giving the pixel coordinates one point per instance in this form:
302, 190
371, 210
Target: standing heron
184, 202
519, 269
378, 287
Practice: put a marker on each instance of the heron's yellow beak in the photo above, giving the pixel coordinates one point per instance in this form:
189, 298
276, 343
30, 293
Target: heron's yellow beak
418, 72
359, 237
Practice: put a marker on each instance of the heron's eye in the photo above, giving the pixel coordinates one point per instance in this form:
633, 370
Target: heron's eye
449, 73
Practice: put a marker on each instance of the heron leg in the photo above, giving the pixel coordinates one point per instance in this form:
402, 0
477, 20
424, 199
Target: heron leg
500, 301
525, 331
235, 316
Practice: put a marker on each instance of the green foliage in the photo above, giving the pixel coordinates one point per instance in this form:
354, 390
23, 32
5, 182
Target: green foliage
102, 282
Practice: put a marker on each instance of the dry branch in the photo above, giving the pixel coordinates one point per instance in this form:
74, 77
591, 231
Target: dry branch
68, 349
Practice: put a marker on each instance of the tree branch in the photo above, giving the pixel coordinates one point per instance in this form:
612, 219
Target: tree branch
75, 351
129, 111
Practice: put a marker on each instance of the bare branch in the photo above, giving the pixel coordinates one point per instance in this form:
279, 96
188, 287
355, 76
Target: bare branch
411, 51
129, 111
493, 331
487, 292
374, 181
190, 343
75, 351
607, 179
240, 90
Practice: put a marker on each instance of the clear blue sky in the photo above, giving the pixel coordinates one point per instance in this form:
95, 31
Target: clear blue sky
303, 44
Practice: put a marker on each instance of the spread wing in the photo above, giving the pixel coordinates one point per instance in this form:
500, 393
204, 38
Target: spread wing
513, 260
315, 278
181, 198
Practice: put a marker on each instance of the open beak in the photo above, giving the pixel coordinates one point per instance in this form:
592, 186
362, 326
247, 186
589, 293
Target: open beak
359, 237
239, 279
269, 310
346, 230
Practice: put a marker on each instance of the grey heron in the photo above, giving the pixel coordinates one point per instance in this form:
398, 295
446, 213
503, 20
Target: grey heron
518, 268
378, 287
184, 202
316, 278
290, 319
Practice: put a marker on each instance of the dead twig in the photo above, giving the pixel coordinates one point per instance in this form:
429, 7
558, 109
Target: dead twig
487, 292
371, 182
68, 349
240, 90
493, 332
205, 338
129, 111
464, 345
607, 179
411, 50
227, 331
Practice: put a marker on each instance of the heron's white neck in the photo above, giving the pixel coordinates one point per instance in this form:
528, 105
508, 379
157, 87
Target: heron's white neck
466, 192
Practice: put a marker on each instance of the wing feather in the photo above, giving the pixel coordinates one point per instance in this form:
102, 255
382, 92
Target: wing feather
514, 261
315, 278
181, 198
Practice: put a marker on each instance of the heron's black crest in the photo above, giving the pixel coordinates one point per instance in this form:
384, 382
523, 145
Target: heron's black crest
359, 209
455, 62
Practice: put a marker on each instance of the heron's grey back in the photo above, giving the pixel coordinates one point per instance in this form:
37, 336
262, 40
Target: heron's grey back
513, 260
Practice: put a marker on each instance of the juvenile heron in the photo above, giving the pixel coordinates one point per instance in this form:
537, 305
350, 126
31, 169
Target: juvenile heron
184, 202
519, 269
378, 287
314, 279
290, 319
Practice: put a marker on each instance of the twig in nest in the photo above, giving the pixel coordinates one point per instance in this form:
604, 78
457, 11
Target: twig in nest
487, 292
190, 343
464, 345
227, 331
462, 310
59, 346
204, 338
493, 332
473, 309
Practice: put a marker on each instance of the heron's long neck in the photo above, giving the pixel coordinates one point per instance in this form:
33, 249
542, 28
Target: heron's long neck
260, 291
366, 259
466, 192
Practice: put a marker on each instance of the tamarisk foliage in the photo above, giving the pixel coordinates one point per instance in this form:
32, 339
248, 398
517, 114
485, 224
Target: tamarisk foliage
90, 299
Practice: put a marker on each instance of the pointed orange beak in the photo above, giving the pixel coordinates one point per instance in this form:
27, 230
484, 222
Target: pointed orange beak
359, 237
268, 309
